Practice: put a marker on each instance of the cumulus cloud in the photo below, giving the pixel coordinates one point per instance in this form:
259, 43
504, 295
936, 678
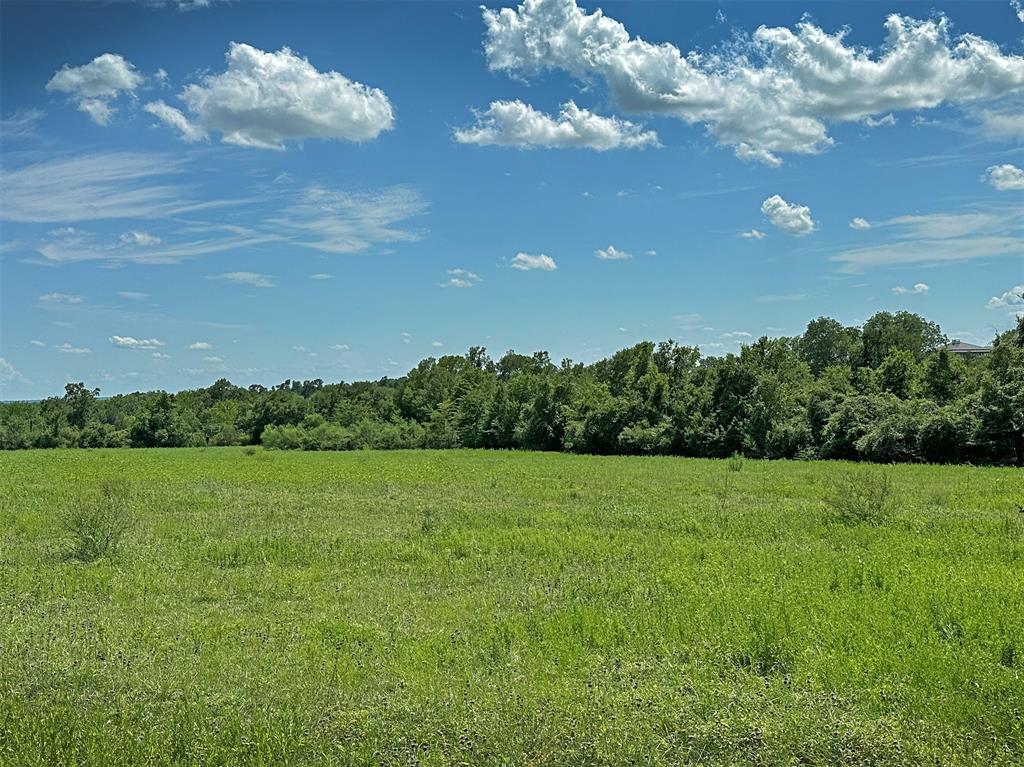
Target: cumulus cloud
255, 279
95, 84
135, 237
201, 345
129, 342
792, 219
461, 278
190, 132
775, 92
265, 99
60, 298
1012, 298
69, 349
524, 262
1018, 8
339, 347
1005, 177
611, 253
753, 234
160, 356
859, 223
513, 123
919, 289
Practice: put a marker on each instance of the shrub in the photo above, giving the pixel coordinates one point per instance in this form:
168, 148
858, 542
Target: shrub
862, 497
735, 462
98, 525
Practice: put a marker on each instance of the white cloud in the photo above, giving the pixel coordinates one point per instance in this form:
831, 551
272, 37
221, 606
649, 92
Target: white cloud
34, 342
775, 92
139, 238
133, 295
882, 122
406, 337
201, 345
1003, 124
350, 222
1014, 297
212, 359
524, 262
753, 234
1005, 177
737, 334
859, 223
92, 187
611, 253
95, 84
21, 124
265, 99
190, 131
339, 347
8, 373
129, 342
161, 356
69, 349
461, 278
792, 219
436, 344
919, 289
321, 276
939, 237
747, 153
513, 123
60, 298
1018, 8
255, 279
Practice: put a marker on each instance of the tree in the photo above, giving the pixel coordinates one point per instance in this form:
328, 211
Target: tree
79, 401
910, 332
826, 342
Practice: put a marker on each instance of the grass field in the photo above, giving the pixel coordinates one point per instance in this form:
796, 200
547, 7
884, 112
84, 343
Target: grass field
489, 608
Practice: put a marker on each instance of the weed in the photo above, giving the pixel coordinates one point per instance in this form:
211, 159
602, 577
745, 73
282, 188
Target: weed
735, 462
98, 525
862, 497
1008, 655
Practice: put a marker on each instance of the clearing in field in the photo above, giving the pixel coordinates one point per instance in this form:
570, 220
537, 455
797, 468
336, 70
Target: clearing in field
230, 606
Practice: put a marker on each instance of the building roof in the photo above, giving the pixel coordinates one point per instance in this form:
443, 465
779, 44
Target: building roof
961, 347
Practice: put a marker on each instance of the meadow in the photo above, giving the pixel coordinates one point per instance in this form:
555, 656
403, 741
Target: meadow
254, 607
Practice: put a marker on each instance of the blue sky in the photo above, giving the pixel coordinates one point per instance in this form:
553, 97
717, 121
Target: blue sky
183, 199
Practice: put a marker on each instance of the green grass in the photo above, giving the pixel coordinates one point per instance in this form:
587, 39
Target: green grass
434, 608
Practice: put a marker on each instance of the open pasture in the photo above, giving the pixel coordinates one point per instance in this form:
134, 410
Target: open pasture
247, 607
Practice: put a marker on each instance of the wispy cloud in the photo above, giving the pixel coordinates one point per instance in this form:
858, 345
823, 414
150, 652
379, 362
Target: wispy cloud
350, 222
255, 279
939, 237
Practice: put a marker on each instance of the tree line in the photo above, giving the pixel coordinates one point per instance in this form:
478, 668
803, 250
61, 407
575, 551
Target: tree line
884, 392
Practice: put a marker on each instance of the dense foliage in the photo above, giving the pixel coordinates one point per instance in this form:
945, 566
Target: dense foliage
886, 392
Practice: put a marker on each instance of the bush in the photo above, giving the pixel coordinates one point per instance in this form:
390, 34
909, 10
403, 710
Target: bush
862, 497
97, 526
